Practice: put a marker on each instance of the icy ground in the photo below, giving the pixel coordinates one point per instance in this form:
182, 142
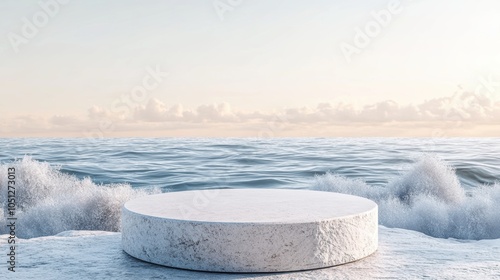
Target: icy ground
402, 254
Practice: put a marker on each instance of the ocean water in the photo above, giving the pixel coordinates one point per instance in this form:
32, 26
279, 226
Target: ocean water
434, 191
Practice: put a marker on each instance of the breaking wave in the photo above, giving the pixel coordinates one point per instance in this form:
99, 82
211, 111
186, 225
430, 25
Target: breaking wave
50, 201
429, 198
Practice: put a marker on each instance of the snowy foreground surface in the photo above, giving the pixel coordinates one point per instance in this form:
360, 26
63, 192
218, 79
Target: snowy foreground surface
402, 254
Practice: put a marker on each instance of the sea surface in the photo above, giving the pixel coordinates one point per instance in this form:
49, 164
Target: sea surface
434, 195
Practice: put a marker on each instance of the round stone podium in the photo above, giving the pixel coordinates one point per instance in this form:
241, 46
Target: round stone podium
250, 230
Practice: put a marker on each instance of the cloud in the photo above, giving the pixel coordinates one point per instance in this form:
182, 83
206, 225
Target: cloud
462, 114
95, 113
65, 120
216, 112
466, 107
157, 111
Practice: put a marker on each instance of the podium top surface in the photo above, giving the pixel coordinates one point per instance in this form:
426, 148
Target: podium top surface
256, 206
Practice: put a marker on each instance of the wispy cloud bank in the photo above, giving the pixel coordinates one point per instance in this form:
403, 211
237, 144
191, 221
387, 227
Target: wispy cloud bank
462, 111
461, 106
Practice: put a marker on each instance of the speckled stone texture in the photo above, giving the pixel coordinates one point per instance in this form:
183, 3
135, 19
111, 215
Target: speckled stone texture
250, 230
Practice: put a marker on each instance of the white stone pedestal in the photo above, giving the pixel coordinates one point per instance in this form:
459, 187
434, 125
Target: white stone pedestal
250, 230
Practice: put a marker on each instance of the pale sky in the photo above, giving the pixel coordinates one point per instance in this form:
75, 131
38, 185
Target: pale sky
238, 68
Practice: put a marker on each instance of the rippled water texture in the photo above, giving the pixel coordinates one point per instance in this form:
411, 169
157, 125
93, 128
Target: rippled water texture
441, 187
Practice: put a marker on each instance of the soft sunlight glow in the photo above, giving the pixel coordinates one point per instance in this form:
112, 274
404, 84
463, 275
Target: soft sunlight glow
183, 68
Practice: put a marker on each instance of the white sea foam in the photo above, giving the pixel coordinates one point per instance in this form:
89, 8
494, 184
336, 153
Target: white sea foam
50, 202
428, 198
